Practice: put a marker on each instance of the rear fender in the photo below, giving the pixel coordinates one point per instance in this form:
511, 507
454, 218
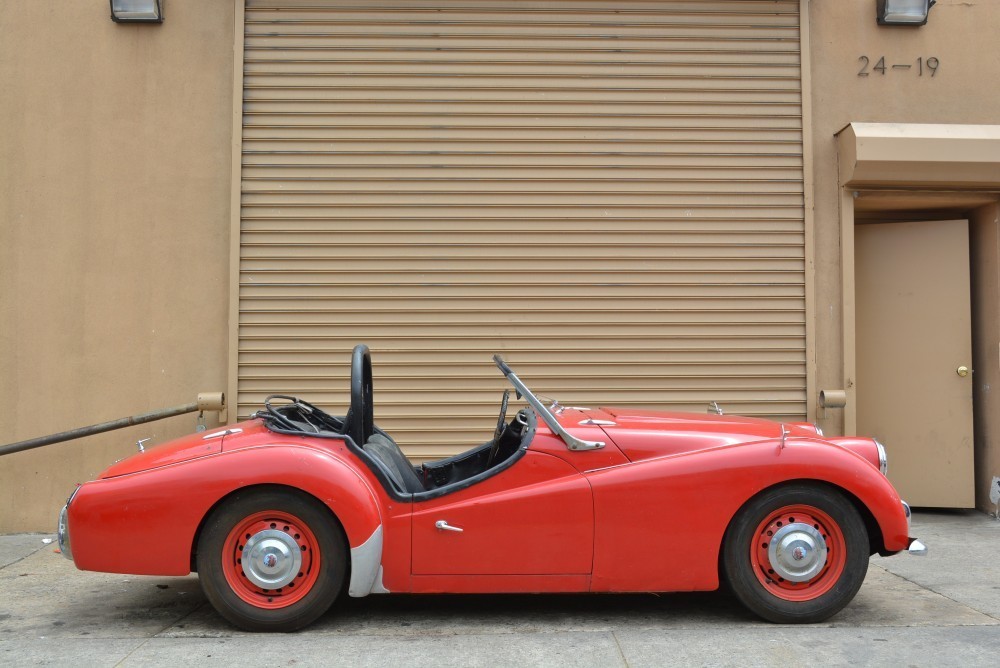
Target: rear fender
147, 523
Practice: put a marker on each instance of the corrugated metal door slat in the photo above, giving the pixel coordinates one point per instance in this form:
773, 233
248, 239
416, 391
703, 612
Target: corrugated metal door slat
608, 193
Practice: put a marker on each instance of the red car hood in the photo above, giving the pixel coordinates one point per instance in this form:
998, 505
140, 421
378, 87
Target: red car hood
645, 434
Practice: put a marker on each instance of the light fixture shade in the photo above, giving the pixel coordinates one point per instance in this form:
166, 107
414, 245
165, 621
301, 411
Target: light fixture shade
903, 12
136, 11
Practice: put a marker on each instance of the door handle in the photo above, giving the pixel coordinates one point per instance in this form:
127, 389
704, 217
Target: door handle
442, 525
962, 371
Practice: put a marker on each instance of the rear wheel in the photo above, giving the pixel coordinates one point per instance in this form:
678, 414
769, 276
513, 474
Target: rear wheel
271, 560
796, 554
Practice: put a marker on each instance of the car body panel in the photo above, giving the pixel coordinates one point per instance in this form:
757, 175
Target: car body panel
161, 509
181, 450
582, 460
865, 447
536, 518
648, 434
500, 584
605, 522
666, 517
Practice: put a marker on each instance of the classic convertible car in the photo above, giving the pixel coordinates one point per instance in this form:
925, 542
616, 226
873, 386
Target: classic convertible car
282, 514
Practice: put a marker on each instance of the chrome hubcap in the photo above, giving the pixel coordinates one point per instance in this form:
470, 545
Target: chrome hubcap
271, 559
797, 552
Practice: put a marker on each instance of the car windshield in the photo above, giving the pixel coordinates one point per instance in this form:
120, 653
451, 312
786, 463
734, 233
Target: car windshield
572, 442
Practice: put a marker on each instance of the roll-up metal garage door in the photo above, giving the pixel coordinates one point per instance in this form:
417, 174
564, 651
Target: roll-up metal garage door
607, 193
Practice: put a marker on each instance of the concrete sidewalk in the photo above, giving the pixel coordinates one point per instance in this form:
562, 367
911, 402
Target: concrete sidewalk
943, 609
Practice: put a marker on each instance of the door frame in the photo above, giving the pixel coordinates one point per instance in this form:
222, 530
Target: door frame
953, 168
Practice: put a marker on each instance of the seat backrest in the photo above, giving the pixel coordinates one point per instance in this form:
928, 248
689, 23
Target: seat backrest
395, 462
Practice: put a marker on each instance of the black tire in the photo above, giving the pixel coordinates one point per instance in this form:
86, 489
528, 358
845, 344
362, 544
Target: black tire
770, 596
307, 524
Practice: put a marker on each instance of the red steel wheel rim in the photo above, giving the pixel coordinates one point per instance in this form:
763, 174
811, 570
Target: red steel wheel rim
295, 532
825, 579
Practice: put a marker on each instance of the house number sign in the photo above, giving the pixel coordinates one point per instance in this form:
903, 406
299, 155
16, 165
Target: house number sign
922, 66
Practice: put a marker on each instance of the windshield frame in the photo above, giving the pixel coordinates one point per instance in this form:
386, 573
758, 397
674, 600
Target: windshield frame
571, 441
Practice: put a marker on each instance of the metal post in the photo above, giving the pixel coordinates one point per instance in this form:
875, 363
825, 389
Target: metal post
214, 401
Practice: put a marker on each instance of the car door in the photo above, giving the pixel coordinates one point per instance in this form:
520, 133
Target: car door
535, 518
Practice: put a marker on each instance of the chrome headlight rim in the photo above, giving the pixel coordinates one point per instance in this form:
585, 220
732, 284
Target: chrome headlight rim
62, 529
883, 459
62, 533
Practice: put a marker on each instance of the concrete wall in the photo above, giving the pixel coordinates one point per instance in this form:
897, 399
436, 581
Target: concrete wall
961, 35
114, 232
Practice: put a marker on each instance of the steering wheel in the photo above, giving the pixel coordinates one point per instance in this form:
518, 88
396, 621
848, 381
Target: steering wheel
361, 416
501, 423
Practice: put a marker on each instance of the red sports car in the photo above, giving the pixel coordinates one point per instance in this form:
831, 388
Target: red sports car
282, 514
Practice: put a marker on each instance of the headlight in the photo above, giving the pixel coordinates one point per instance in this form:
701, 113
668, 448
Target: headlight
63, 533
883, 461
62, 530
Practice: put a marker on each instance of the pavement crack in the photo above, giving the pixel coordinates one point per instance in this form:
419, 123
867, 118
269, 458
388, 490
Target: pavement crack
621, 652
30, 554
180, 619
941, 594
131, 652
157, 634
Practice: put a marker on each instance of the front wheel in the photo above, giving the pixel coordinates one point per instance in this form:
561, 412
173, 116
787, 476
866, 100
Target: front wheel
271, 560
796, 554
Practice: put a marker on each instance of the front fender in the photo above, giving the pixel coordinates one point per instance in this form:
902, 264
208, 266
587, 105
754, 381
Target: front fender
692, 498
857, 475
146, 523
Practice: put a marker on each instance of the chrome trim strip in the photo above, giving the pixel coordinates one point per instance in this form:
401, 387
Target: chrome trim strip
224, 432
63, 532
883, 459
366, 565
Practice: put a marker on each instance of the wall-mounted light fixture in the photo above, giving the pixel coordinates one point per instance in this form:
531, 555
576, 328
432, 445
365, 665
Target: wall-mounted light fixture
903, 12
136, 11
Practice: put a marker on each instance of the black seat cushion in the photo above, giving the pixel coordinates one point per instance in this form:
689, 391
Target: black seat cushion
396, 464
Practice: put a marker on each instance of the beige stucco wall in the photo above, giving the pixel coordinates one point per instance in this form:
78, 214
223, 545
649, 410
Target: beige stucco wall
961, 34
114, 232
115, 190
984, 238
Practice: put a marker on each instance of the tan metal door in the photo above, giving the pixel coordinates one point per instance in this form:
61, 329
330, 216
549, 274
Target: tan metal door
607, 192
913, 338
